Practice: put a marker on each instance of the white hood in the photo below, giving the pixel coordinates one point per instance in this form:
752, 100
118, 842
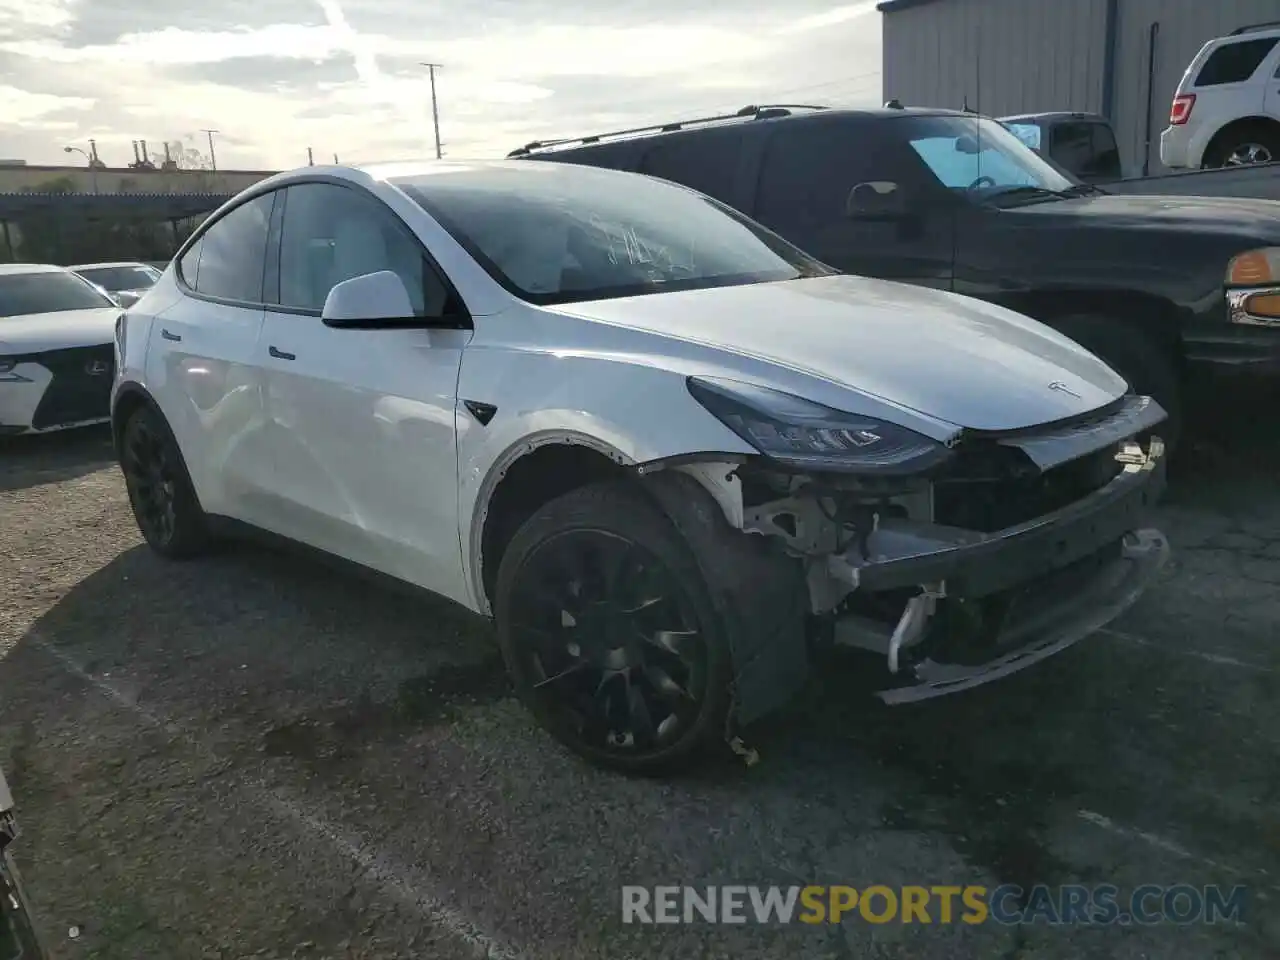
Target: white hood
948, 357
37, 332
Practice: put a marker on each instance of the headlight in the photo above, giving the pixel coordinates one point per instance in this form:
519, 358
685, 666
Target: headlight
1255, 268
802, 433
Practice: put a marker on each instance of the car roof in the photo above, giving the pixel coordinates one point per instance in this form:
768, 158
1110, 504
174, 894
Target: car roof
116, 263
12, 269
1257, 31
749, 118
1054, 115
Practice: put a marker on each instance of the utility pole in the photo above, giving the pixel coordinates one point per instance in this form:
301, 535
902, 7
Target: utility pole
435, 112
310, 160
213, 158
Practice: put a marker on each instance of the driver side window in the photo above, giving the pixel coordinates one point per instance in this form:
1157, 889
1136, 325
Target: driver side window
331, 233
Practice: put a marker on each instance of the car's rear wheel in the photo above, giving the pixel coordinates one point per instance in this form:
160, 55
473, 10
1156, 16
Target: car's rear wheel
609, 634
160, 491
1245, 146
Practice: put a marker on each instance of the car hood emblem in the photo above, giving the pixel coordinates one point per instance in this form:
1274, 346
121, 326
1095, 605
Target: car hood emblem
1063, 388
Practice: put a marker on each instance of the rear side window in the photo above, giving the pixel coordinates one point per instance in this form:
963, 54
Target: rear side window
809, 171
1086, 149
1235, 62
704, 162
232, 253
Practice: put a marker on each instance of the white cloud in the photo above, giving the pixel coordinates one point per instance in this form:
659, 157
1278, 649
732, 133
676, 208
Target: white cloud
24, 106
346, 80
833, 17
18, 17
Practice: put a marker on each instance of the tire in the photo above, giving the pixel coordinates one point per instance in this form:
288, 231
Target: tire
164, 502
1254, 143
590, 650
1150, 368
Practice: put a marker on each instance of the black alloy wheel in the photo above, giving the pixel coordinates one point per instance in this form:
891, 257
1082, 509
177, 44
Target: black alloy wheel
607, 639
160, 492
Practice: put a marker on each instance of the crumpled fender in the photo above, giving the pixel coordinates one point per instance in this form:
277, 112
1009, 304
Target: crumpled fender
758, 591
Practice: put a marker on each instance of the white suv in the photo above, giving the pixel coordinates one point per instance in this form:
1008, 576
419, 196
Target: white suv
1226, 111
651, 439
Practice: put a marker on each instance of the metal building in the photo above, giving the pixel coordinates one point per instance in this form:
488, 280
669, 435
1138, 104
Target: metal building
1120, 58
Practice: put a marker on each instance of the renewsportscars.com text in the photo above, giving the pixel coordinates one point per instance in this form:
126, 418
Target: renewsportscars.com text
1009, 904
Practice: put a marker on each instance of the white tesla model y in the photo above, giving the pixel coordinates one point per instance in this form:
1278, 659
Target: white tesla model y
661, 447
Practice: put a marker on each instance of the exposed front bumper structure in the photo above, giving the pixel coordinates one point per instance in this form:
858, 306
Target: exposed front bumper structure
18, 938
1058, 578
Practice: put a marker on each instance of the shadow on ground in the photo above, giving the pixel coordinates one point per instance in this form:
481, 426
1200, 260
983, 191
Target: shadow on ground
30, 461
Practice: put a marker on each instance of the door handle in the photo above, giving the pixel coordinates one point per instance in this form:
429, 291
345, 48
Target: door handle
280, 354
169, 336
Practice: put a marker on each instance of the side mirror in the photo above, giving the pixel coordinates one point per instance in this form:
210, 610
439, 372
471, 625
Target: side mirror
877, 200
370, 300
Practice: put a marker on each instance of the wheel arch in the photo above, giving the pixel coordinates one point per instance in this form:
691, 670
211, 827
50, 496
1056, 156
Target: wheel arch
1234, 126
129, 396
528, 474
1154, 316
541, 467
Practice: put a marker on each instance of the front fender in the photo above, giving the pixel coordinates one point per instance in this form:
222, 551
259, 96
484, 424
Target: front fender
623, 409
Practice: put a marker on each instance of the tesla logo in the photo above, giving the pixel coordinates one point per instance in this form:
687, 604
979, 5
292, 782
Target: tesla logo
96, 368
1063, 388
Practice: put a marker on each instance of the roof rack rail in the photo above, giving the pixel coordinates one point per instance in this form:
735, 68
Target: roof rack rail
752, 112
1250, 27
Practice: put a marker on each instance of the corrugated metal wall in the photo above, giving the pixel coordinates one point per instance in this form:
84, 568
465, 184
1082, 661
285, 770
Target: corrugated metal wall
1039, 55
1185, 26
1005, 56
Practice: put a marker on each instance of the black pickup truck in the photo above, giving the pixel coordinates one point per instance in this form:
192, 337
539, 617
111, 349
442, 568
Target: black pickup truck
1163, 288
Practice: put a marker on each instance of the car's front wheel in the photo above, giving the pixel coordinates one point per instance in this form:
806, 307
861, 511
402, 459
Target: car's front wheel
609, 633
163, 499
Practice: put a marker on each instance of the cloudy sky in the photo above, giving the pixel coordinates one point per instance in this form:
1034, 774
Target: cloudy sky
342, 76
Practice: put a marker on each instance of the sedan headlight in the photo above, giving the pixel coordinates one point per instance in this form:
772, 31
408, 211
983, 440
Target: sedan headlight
801, 433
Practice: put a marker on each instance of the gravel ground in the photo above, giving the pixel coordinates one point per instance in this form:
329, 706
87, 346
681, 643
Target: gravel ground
253, 756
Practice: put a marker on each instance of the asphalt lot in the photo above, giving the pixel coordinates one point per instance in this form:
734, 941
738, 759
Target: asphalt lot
252, 755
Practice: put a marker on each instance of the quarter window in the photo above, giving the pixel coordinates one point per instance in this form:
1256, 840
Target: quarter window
231, 253
332, 233
189, 265
809, 171
706, 162
1235, 62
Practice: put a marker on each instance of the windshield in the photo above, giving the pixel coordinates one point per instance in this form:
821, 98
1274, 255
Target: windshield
132, 277
981, 158
556, 233
26, 293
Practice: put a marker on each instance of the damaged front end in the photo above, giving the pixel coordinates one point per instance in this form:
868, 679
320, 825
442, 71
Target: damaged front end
18, 937
967, 560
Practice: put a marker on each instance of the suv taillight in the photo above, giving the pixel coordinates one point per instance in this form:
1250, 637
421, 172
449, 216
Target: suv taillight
1181, 111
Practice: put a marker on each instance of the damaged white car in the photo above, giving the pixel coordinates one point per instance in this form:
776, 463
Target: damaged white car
660, 446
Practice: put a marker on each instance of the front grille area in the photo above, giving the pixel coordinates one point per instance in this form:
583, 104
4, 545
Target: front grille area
989, 487
75, 393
